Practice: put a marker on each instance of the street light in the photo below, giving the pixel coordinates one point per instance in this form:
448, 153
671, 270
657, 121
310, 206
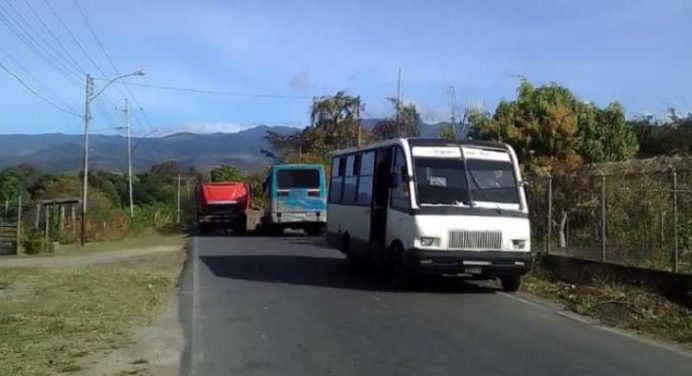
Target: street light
90, 96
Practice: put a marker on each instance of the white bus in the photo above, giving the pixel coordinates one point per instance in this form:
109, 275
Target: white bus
431, 206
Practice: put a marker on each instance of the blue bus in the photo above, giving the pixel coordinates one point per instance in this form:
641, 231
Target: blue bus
296, 198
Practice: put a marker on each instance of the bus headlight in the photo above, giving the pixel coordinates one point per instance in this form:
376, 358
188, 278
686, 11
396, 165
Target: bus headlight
429, 241
519, 243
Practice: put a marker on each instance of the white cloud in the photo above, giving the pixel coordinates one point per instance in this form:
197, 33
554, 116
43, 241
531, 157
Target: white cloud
207, 127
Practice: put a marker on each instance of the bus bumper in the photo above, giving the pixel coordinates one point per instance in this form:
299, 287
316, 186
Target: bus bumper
471, 264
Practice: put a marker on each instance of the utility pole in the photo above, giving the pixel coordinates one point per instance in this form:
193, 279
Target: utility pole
453, 105
398, 104
87, 119
177, 216
85, 166
358, 119
127, 127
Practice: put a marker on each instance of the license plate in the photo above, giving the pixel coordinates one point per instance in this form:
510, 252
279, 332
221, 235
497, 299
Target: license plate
473, 270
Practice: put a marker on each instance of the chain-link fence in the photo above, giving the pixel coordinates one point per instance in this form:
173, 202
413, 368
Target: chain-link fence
631, 213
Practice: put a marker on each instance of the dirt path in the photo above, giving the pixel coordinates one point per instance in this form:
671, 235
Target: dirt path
87, 258
155, 350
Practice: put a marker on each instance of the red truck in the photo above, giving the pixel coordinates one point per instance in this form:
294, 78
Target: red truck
223, 206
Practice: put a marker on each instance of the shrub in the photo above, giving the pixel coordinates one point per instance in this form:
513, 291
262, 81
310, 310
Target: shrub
33, 241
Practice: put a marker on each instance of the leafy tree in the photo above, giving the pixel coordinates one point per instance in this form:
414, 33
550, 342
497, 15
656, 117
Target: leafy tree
151, 188
447, 131
167, 171
226, 172
12, 185
335, 125
338, 117
114, 186
406, 122
605, 135
667, 137
552, 130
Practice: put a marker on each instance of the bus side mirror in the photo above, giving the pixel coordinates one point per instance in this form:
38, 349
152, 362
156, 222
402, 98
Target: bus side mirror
264, 186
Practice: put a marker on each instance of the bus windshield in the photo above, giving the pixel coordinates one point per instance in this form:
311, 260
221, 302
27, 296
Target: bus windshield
444, 181
298, 179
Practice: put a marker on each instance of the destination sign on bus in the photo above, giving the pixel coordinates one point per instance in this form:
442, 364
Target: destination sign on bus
491, 155
436, 152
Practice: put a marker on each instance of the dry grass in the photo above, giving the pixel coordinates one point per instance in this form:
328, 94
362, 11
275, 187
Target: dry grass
51, 318
149, 239
616, 304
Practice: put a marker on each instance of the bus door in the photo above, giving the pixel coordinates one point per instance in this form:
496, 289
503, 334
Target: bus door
380, 199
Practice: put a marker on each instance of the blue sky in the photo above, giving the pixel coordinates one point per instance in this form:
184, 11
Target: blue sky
635, 52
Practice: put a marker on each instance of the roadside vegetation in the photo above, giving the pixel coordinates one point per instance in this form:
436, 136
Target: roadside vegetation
615, 304
154, 196
51, 318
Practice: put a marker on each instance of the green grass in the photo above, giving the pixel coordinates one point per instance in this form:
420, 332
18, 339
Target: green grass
616, 304
51, 318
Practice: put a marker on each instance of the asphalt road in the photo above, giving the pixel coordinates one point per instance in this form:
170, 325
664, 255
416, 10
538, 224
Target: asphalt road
290, 306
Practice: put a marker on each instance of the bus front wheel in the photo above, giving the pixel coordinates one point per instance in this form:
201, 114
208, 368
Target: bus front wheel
400, 277
510, 283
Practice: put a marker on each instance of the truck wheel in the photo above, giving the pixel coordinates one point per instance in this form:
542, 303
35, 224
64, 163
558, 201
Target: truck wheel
510, 283
241, 226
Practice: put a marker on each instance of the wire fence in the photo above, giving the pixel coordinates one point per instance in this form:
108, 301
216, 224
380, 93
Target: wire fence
618, 214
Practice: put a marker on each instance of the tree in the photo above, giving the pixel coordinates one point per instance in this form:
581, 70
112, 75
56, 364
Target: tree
406, 122
447, 131
552, 130
667, 137
168, 171
605, 134
338, 116
12, 185
335, 125
226, 172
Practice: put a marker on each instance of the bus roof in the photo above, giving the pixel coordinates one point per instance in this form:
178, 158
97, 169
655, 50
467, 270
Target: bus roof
421, 142
297, 166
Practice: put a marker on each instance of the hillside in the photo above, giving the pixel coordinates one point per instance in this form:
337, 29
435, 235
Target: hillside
58, 152
61, 152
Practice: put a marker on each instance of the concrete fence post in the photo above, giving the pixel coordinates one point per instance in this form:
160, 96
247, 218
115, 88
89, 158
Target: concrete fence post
603, 217
46, 216
18, 245
37, 217
550, 213
675, 221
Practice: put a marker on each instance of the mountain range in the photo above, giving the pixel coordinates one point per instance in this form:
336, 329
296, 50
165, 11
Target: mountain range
58, 152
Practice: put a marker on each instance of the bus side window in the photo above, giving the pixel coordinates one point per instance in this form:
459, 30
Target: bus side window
336, 183
351, 180
400, 193
367, 168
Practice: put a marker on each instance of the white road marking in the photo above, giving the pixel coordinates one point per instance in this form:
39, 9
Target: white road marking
197, 346
594, 324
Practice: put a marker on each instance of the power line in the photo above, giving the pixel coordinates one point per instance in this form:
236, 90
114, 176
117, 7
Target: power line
50, 32
216, 92
35, 79
33, 45
112, 64
74, 38
37, 39
36, 93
